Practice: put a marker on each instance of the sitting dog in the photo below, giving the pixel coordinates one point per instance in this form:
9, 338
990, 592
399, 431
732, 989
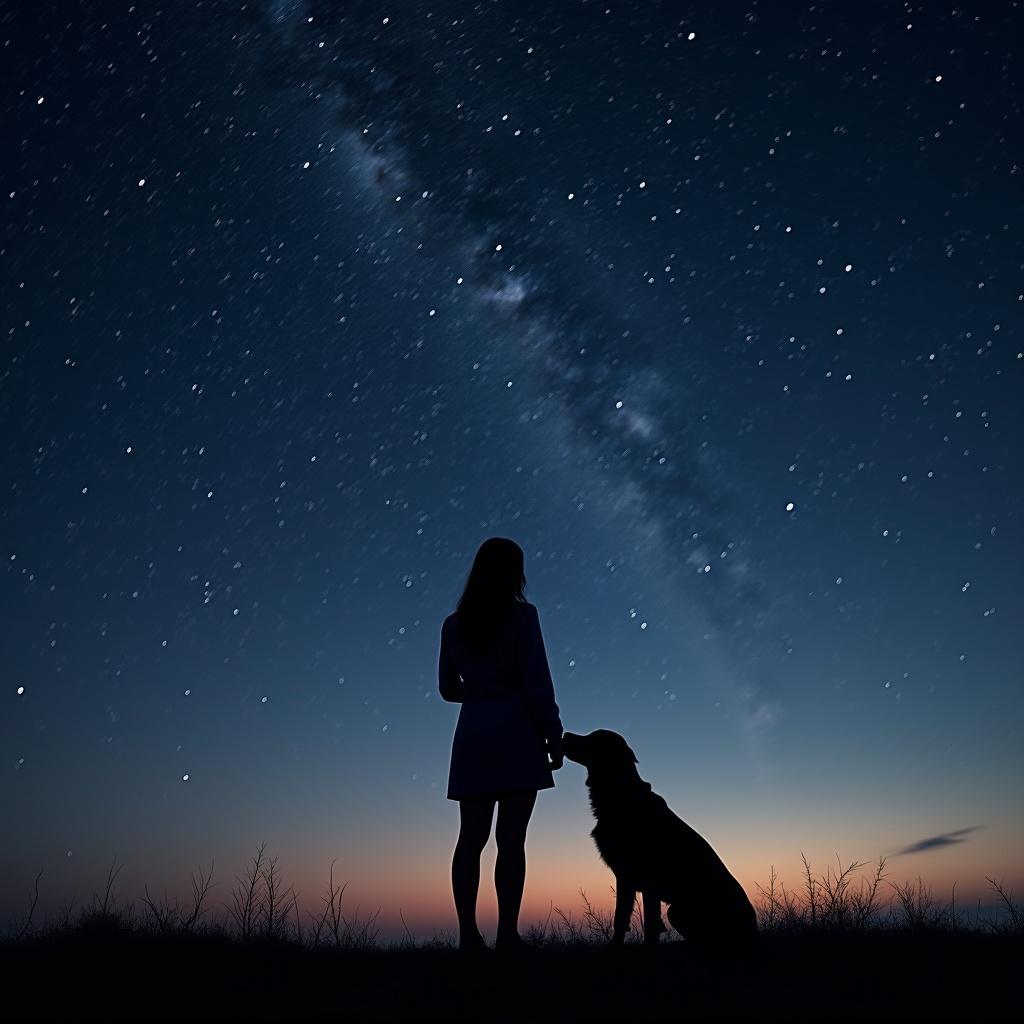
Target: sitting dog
652, 851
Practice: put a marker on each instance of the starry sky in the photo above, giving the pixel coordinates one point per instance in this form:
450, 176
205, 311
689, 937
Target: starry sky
714, 308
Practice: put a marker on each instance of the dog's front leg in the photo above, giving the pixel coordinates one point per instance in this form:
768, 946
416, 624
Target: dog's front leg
624, 897
653, 926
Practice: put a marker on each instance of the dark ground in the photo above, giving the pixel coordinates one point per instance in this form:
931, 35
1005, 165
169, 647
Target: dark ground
900, 975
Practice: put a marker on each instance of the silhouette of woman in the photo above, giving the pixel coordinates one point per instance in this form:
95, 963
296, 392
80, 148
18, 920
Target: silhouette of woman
508, 737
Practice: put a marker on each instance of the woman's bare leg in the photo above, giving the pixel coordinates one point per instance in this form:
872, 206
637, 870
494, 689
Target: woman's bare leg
474, 831
510, 867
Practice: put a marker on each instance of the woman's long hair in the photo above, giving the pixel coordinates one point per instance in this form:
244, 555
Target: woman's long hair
495, 583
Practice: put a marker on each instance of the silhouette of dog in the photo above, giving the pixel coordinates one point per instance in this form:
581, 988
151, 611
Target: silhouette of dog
654, 852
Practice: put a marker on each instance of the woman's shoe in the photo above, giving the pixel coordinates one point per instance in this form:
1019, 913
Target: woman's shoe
513, 944
474, 946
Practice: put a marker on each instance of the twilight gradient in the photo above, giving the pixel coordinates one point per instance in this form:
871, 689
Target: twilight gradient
715, 309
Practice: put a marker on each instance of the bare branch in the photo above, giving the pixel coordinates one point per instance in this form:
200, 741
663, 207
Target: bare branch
572, 931
26, 927
246, 904
408, 936
599, 924
111, 876
163, 913
200, 887
1016, 916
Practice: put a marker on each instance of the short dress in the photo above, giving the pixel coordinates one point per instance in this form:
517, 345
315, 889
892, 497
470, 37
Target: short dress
508, 708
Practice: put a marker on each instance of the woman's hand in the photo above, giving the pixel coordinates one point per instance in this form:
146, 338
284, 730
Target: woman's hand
555, 755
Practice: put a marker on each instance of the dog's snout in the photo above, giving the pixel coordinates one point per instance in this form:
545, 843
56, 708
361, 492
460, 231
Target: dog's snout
571, 745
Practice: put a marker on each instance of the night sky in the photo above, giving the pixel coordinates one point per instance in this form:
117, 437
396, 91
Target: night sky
715, 309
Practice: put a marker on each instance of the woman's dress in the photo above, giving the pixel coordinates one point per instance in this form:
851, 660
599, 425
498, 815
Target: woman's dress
508, 708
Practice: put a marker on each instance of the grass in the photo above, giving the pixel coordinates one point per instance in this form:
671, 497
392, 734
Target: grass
842, 945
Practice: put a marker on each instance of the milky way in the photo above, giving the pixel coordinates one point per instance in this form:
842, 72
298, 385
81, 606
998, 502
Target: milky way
624, 412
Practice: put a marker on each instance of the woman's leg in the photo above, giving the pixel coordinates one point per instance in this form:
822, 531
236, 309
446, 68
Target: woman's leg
510, 867
474, 831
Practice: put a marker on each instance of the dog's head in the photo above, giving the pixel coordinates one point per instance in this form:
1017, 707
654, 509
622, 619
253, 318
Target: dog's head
601, 751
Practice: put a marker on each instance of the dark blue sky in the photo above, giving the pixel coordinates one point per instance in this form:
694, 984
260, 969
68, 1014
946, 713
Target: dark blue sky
715, 309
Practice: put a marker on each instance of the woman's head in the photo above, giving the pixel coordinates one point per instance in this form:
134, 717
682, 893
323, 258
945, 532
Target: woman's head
495, 582
497, 574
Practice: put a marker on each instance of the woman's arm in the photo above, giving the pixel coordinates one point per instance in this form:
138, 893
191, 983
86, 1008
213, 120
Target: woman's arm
448, 680
537, 684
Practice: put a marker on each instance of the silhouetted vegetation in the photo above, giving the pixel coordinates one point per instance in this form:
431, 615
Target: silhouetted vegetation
842, 944
840, 900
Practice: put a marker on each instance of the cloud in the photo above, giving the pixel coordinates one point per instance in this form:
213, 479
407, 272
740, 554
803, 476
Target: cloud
938, 842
